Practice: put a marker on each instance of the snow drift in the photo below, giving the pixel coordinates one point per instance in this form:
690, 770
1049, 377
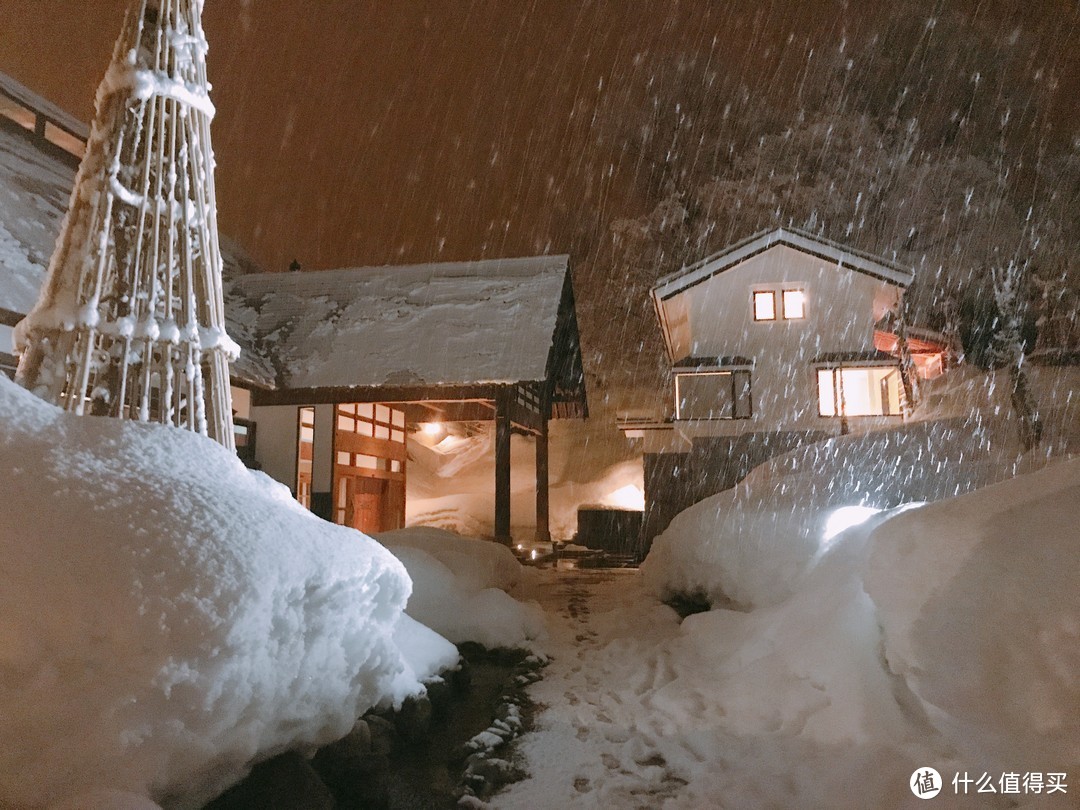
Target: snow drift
749, 544
167, 618
977, 601
459, 587
874, 632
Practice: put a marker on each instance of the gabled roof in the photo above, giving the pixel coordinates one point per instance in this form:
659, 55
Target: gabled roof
460, 323
833, 252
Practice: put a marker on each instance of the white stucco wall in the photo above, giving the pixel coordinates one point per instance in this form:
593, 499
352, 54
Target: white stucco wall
275, 444
715, 318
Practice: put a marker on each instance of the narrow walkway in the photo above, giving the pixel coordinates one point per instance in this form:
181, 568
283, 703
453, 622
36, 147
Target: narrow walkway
597, 737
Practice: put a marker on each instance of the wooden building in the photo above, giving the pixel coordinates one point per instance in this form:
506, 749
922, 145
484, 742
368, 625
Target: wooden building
336, 368
365, 356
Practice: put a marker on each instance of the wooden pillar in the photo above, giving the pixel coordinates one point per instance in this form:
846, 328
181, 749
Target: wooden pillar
543, 502
502, 465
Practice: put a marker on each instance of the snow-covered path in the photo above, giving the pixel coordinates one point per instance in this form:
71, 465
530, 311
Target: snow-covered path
638, 713
599, 735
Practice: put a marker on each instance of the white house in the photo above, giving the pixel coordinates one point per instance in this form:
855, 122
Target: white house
774, 341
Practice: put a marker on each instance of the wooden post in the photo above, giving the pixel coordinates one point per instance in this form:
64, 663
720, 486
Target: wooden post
543, 522
502, 465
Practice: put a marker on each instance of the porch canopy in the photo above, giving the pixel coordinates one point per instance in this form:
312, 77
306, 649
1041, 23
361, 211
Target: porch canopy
492, 340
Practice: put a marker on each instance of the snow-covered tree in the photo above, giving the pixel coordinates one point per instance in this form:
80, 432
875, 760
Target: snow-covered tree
1009, 349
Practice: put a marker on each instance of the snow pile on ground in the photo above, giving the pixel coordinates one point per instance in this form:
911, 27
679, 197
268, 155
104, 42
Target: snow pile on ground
460, 588
984, 399
945, 635
749, 544
167, 618
978, 602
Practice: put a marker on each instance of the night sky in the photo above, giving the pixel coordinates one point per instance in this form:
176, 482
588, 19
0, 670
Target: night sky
353, 132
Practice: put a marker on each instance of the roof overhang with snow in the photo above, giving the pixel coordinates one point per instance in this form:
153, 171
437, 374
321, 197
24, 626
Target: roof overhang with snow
842, 257
452, 331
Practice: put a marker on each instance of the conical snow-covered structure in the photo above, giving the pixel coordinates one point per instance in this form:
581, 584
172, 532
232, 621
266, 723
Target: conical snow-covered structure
131, 321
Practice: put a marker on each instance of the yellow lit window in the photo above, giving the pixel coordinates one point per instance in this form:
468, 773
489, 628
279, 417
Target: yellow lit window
764, 305
859, 392
794, 304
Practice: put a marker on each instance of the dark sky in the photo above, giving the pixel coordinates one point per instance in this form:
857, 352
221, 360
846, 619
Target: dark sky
357, 132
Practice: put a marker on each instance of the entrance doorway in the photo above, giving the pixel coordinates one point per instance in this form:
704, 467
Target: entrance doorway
369, 467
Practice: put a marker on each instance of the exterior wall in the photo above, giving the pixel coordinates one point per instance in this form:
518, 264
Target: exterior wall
241, 402
715, 318
676, 481
275, 448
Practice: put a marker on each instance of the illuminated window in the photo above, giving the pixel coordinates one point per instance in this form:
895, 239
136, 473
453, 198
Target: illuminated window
794, 304
713, 395
369, 419
764, 305
873, 391
304, 455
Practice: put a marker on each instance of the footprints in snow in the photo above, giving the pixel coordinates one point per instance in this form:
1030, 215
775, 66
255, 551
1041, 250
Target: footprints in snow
627, 765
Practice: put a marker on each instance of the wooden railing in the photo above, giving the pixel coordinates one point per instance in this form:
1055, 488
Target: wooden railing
30, 111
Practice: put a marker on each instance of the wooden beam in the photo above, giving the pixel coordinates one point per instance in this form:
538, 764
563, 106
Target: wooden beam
388, 394
543, 523
446, 404
9, 317
502, 465
529, 421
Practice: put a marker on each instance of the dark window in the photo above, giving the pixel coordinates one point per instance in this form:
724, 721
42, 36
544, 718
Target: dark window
713, 395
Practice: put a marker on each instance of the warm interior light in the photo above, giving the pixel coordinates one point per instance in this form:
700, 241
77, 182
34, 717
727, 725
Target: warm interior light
432, 429
627, 497
794, 304
765, 305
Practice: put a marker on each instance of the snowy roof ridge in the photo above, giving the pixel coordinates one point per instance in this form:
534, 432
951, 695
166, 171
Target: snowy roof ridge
442, 323
813, 244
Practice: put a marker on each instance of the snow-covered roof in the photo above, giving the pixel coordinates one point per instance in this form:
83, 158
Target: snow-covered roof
833, 252
459, 323
36, 178
35, 184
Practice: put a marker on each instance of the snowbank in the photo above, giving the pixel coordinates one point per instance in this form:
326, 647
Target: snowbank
459, 587
944, 635
978, 603
749, 544
903, 599
167, 618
